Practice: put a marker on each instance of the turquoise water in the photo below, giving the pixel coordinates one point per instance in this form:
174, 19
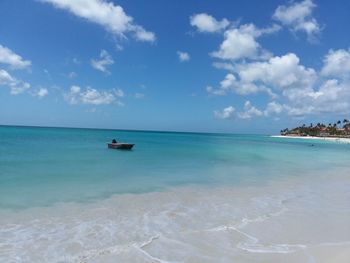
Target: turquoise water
45, 166
176, 197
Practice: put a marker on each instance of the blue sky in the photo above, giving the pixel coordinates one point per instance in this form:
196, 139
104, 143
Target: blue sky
238, 66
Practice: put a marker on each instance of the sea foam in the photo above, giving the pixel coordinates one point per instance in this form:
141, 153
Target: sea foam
282, 220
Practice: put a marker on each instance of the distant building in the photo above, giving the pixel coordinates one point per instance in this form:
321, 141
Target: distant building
324, 134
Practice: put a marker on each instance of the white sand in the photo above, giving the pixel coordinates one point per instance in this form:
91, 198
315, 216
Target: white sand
298, 219
340, 140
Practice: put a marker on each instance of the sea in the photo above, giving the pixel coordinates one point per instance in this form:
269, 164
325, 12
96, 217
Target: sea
175, 197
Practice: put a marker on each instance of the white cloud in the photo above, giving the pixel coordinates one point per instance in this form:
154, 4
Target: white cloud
337, 63
300, 111
183, 56
231, 84
283, 75
226, 113
5, 77
143, 35
237, 45
93, 96
41, 93
280, 73
273, 108
223, 65
241, 43
206, 23
77, 95
10, 58
16, 86
249, 111
226, 85
333, 96
300, 90
112, 17
102, 63
213, 91
298, 16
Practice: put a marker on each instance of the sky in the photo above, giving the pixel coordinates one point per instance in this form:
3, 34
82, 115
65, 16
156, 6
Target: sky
245, 66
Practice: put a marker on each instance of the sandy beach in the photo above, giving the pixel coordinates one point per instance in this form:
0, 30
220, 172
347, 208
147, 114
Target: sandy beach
293, 220
332, 139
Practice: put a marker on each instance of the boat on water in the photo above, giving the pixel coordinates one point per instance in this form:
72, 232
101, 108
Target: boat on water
120, 146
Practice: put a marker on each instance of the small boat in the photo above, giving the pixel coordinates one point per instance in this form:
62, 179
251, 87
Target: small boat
120, 146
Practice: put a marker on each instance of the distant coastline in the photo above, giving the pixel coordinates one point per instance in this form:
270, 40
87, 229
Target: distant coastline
333, 139
338, 131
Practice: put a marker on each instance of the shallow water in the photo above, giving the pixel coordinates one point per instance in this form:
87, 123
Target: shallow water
176, 197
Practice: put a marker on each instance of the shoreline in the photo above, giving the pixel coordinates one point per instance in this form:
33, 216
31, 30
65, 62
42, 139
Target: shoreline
331, 139
199, 222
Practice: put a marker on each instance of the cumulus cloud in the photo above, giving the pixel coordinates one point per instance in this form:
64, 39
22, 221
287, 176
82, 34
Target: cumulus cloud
16, 86
240, 43
206, 23
102, 63
298, 16
302, 90
327, 95
231, 84
5, 77
183, 56
295, 89
237, 45
249, 111
273, 108
223, 65
107, 14
77, 95
279, 72
41, 93
333, 96
226, 113
337, 63
15, 61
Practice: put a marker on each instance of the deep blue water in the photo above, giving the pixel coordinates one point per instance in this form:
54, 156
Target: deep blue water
43, 166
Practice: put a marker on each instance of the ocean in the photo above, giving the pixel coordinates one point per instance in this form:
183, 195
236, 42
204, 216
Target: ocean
176, 197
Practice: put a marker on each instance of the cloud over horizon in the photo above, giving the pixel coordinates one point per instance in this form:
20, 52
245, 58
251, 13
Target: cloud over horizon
292, 88
16, 86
